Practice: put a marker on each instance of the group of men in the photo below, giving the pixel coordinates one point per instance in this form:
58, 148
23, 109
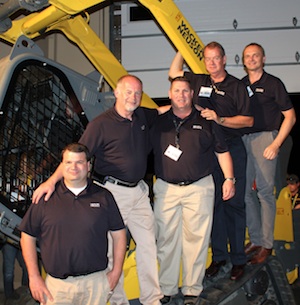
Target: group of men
215, 141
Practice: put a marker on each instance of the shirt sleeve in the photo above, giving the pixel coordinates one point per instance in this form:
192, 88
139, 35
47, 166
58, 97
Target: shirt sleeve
151, 114
31, 222
220, 143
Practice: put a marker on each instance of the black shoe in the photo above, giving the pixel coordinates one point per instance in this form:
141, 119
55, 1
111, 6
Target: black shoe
236, 272
190, 299
214, 268
165, 300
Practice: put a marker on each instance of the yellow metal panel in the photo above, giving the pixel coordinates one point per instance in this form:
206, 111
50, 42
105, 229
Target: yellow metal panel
75, 6
16, 30
78, 31
43, 20
284, 221
179, 31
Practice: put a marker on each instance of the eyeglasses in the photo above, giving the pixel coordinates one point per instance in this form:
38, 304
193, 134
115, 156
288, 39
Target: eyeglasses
215, 58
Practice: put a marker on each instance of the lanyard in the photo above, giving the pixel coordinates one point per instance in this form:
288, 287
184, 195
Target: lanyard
177, 129
294, 200
213, 85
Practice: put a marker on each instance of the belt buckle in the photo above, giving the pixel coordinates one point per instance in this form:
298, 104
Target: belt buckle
184, 183
110, 179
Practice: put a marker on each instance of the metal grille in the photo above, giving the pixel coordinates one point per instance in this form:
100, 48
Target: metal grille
39, 116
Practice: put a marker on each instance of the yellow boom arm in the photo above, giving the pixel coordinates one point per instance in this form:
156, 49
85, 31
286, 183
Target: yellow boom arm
69, 17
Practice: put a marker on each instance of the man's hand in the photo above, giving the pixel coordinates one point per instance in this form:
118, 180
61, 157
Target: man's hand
39, 290
271, 151
113, 279
45, 188
209, 115
228, 189
198, 107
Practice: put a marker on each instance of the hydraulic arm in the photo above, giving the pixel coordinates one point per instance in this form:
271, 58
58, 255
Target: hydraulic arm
70, 18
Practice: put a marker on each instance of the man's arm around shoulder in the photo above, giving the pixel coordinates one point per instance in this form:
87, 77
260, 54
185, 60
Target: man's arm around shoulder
48, 186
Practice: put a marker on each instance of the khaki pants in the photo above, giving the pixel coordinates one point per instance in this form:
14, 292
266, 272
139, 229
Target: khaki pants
137, 214
183, 217
91, 289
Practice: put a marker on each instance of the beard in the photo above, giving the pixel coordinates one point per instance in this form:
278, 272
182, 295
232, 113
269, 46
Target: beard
130, 107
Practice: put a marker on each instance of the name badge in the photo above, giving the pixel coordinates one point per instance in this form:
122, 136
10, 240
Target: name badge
250, 92
173, 153
205, 91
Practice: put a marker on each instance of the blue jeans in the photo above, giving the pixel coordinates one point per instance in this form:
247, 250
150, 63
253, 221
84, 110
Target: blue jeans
10, 254
260, 211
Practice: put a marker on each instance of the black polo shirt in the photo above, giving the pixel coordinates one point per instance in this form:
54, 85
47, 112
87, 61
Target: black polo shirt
119, 145
197, 138
269, 99
72, 230
228, 98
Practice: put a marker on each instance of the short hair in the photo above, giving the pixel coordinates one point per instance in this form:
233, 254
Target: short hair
122, 78
255, 44
215, 45
292, 179
181, 79
77, 148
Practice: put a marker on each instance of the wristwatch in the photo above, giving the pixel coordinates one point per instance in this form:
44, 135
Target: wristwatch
221, 120
232, 179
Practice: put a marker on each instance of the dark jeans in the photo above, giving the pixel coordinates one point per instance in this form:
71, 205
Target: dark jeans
10, 254
229, 222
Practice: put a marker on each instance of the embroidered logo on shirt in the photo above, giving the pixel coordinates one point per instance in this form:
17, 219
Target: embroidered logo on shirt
197, 127
260, 90
95, 204
220, 92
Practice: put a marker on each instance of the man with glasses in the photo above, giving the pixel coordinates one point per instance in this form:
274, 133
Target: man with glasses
224, 100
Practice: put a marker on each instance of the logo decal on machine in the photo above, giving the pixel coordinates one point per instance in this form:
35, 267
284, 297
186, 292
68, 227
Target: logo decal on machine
190, 39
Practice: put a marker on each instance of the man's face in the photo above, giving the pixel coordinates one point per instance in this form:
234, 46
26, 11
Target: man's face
214, 61
294, 186
253, 58
75, 168
180, 95
129, 94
